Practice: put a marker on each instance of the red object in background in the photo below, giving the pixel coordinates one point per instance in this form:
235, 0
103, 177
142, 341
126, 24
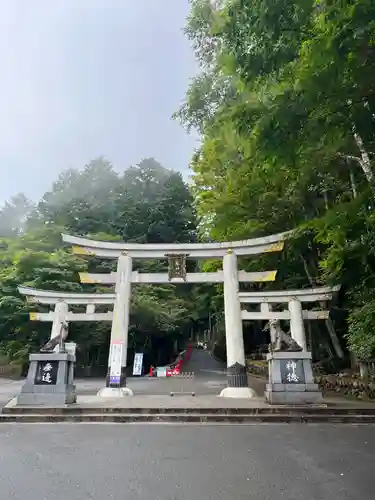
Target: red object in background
175, 371
151, 372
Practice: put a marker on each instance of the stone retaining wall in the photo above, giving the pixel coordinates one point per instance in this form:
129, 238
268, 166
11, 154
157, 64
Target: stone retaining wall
347, 386
259, 368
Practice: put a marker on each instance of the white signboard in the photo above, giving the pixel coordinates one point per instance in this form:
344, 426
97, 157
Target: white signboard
138, 362
161, 371
116, 358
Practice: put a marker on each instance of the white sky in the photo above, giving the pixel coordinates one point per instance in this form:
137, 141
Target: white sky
85, 78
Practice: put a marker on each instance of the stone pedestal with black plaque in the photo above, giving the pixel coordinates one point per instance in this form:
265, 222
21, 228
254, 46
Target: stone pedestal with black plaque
291, 379
50, 380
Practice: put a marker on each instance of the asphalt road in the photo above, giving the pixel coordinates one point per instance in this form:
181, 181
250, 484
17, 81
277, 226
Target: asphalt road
176, 462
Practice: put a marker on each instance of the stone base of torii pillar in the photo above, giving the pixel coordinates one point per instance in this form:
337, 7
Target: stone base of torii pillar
115, 392
238, 392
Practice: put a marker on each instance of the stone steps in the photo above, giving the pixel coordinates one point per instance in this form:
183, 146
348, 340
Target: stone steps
186, 416
181, 410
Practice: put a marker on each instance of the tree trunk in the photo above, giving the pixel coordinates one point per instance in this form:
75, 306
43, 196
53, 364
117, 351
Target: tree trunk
310, 338
363, 370
353, 184
329, 323
364, 160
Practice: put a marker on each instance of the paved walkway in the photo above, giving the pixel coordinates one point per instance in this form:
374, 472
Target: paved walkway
165, 401
203, 363
209, 373
209, 380
9, 389
206, 367
202, 402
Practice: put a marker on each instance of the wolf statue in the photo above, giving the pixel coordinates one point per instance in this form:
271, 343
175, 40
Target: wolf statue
283, 341
59, 340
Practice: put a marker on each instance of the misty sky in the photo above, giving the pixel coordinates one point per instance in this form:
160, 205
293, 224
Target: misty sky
85, 78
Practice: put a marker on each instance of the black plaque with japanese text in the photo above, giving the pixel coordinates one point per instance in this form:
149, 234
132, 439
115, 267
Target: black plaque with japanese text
46, 373
292, 371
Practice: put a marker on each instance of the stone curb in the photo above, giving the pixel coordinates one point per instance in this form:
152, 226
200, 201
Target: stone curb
188, 418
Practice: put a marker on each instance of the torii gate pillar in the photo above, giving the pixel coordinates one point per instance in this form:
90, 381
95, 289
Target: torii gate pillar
297, 327
236, 365
116, 376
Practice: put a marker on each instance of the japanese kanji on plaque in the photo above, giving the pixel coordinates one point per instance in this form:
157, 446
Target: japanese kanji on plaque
46, 373
292, 371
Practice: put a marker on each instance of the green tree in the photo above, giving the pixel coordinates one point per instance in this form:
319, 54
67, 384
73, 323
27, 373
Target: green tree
14, 215
292, 147
146, 203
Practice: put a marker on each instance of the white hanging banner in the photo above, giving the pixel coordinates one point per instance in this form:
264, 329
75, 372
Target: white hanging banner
115, 357
138, 362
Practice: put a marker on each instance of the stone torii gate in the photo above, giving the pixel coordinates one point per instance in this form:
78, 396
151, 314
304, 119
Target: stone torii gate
295, 313
176, 254
290, 375
61, 301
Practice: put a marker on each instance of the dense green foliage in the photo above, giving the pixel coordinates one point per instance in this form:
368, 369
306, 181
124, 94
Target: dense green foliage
285, 103
147, 204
